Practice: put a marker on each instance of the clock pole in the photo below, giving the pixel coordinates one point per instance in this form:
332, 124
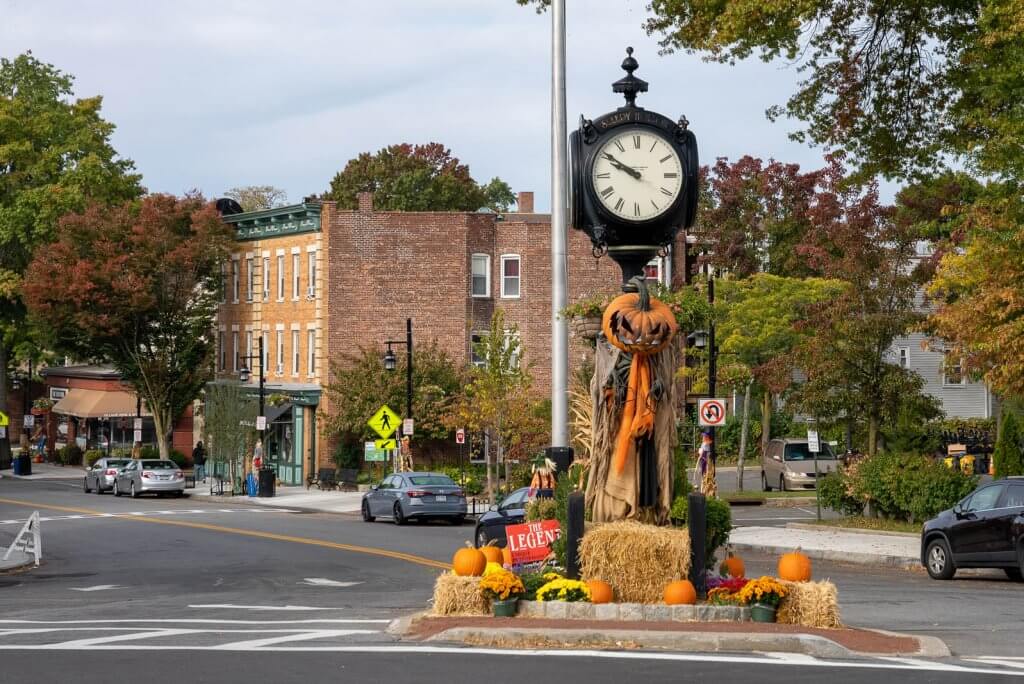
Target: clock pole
559, 210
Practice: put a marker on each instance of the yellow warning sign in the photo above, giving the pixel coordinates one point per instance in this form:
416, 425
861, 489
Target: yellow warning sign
386, 444
5, 419
384, 422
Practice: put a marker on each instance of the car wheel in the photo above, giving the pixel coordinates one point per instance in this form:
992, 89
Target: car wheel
481, 537
135, 494
117, 490
99, 487
1014, 574
782, 483
398, 517
939, 560
458, 520
764, 483
85, 485
366, 512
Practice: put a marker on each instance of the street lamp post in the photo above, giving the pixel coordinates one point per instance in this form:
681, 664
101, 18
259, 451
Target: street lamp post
390, 364
266, 482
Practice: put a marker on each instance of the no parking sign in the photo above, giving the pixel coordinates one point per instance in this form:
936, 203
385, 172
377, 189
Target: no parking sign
711, 412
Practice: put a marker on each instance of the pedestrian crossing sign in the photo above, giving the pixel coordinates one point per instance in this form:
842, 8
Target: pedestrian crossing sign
384, 422
5, 419
386, 444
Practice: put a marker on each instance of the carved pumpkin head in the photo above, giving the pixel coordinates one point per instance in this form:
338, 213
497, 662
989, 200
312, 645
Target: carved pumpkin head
638, 323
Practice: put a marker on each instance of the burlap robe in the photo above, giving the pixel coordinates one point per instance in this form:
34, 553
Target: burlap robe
613, 496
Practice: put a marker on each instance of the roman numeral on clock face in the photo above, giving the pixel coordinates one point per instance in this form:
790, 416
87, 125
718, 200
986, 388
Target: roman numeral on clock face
666, 191
618, 205
636, 208
636, 142
604, 175
618, 143
608, 192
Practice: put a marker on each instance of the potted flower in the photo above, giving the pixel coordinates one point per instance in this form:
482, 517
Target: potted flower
585, 314
763, 596
562, 589
41, 406
503, 588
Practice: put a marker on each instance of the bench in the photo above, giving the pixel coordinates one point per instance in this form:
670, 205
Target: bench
324, 479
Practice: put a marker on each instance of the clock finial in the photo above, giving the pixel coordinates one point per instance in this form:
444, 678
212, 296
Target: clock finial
629, 85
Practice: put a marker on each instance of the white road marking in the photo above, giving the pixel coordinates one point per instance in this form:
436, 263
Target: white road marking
202, 621
254, 644
190, 511
234, 607
324, 582
995, 660
96, 641
98, 587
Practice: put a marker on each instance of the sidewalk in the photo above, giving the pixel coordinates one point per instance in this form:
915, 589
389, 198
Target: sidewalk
845, 546
47, 471
295, 498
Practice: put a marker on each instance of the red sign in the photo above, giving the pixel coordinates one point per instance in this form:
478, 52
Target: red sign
460, 436
531, 542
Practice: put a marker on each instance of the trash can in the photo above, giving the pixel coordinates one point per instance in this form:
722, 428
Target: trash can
267, 478
24, 464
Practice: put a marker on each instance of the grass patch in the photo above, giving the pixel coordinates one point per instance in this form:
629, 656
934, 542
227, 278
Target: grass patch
880, 524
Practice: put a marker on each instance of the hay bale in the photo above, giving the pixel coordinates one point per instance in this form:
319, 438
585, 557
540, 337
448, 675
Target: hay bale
455, 595
811, 604
637, 560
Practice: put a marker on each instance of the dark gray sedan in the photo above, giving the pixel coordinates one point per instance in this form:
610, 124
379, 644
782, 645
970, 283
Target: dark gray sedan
402, 496
150, 476
100, 478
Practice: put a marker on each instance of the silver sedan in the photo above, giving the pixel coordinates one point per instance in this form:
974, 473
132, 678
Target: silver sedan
100, 478
150, 476
402, 496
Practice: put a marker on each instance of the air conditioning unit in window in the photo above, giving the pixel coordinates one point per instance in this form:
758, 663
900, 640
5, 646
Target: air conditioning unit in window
311, 292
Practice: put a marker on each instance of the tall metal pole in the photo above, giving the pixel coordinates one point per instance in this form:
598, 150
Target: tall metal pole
559, 219
712, 359
408, 368
262, 377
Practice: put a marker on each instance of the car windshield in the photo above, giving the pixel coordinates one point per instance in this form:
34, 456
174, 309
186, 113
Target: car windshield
427, 480
158, 465
801, 452
117, 462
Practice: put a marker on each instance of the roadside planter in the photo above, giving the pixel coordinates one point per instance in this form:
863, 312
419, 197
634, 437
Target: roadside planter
762, 612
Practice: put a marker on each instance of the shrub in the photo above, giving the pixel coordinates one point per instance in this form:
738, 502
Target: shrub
1008, 457
719, 523
178, 458
833, 493
93, 455
471, 483
541, 509
149, 451
519, 475
71, 455
907, 486
348, 455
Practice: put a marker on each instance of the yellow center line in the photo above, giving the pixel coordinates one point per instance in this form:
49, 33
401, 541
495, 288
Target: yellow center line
419, 560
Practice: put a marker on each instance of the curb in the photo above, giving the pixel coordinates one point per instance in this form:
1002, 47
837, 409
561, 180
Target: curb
852, 530
807, 644
858, 558
20, 561
929, 646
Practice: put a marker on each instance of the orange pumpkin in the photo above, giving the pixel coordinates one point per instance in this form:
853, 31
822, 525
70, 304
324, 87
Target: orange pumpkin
680, 592
506, 556
469, 562
795, 567
638, 323
732, 566
600, 591
492, 554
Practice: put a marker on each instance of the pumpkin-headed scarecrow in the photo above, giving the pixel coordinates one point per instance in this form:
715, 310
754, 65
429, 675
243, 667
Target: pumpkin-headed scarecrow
543, 474
634, 424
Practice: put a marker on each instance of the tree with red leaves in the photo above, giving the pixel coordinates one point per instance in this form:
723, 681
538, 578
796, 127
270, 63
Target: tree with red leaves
136, 285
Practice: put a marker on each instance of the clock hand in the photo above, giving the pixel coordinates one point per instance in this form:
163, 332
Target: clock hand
622, 167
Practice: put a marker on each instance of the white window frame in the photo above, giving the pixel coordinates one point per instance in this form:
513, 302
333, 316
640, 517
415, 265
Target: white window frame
234, 280
509, 335
505, 258
486, 259
224, 283
296, 273
475, 339
250, 278
656, 262
248, 348
266, 278
903, 357
279, 367
221, 351
280, 277
265, 361
296, 359
311, 273
946, 381
311, 352
234, 348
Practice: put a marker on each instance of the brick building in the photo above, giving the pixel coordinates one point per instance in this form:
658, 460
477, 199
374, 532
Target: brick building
447, 271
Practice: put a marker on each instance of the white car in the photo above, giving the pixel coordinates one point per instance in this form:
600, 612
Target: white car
150, 476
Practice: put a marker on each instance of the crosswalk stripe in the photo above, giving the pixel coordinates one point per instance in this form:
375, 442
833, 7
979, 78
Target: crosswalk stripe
254, 644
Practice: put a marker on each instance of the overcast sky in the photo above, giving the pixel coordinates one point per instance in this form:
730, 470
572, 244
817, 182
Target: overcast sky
213, 94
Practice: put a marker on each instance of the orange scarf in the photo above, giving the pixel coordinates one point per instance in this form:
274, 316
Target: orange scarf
637, 411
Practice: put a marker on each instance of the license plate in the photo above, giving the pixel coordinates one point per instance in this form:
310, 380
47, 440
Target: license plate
441, 497
163, 477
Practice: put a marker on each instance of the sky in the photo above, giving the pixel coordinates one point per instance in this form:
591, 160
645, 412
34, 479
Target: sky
214, 94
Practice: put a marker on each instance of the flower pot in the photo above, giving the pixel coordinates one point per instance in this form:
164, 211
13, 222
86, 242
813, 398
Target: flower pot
587, 328
760, 612
506, 608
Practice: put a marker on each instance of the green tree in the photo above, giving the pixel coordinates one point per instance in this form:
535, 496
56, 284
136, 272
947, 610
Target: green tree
258, 197
1009, 452
55, 157
497, 398
137, 285
228, 410
416, 178
359, 385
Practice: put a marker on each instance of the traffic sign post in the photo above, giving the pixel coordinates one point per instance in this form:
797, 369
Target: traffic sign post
372, 454
814, 446
386, 444
711, 412
407, 426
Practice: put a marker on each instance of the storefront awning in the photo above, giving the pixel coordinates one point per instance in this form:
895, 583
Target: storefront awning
273, 413
86, 403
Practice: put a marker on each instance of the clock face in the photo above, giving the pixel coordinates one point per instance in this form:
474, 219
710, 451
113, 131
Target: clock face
637, 175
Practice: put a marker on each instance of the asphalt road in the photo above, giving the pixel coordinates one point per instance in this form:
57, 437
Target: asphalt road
128, 583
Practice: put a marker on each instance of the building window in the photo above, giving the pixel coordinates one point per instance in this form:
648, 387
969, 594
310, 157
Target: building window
513, 342
280, 277
474, 350
250, 279
510, 276
953, 372
265, 361
248, 348
266, 278
481, 275
280, 352
223, 283
903, 357
295, 352
311, 289
296, 258
234, 281
234, 350
221, 351
311, 352
652, 271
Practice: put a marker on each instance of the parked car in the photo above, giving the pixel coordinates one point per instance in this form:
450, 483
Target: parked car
101, 476
150, 476
983, 530
789, 464
405, 496
510, 511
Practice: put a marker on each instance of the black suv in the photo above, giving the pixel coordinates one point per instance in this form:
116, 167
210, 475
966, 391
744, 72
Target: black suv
984, 530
